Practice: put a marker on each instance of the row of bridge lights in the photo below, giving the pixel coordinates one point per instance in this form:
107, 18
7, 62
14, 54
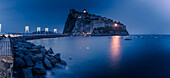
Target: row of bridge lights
38, 29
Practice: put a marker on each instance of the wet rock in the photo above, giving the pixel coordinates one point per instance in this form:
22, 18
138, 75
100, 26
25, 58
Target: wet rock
37, 58
57, 65
37, 47
27, 72
57, 56
18, 54
28, 61
43, 50
39, 68
29, 46
22, 49
47, 64
63, 62
19, 62
52, 60
16, 46
35, 50
50, 51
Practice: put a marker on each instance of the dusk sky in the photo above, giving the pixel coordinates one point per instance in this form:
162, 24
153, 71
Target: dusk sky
140, 16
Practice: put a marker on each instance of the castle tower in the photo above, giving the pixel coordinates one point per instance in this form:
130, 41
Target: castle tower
26, 29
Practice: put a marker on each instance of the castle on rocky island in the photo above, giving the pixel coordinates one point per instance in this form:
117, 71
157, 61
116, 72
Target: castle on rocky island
83, 23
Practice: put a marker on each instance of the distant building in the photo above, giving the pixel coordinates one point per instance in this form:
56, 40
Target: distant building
38, 29
46, 30
26, 29
55, 30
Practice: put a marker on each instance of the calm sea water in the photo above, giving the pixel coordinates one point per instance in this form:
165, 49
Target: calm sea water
111, 56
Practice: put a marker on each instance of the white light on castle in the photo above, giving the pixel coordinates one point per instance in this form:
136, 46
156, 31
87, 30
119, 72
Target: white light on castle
84, 11
115, 24
38, 29
26, 29
55, 30
0, 28
46, 29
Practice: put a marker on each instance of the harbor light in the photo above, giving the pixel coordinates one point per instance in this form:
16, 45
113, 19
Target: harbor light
46, 29
55, 30
0, 28
26, 29
115, 24
38, 29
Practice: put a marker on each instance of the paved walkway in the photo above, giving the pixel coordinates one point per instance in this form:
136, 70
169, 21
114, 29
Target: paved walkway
6, 59
5, 47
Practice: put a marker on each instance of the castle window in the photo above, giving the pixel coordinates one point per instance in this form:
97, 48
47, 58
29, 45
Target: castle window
105, 19
88, 33
79, 16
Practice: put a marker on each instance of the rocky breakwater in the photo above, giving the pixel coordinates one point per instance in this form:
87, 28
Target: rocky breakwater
83, 23
31, 60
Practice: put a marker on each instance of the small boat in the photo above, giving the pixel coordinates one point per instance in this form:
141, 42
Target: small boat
128, 39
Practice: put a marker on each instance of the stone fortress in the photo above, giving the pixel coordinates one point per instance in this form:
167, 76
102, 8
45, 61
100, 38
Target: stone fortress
83, 23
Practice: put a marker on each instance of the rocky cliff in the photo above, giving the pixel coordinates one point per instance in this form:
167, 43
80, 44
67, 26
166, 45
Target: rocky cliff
83, 23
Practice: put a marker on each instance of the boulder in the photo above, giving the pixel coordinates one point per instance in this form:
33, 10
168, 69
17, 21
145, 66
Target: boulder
16, 46
57, 56
18, 54
19, 62
50, 51
27, 72
22, 49
57, 65
37, 47
39, 69
28, 61
37, 57
52, 60
35, 51
29, 46
63, 62
47, 63
43, 50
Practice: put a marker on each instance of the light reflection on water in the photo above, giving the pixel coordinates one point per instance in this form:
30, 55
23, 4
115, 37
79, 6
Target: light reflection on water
115, 50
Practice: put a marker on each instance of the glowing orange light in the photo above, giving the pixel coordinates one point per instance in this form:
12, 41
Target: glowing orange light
79, 17
88, 33
115, 50
116, 24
